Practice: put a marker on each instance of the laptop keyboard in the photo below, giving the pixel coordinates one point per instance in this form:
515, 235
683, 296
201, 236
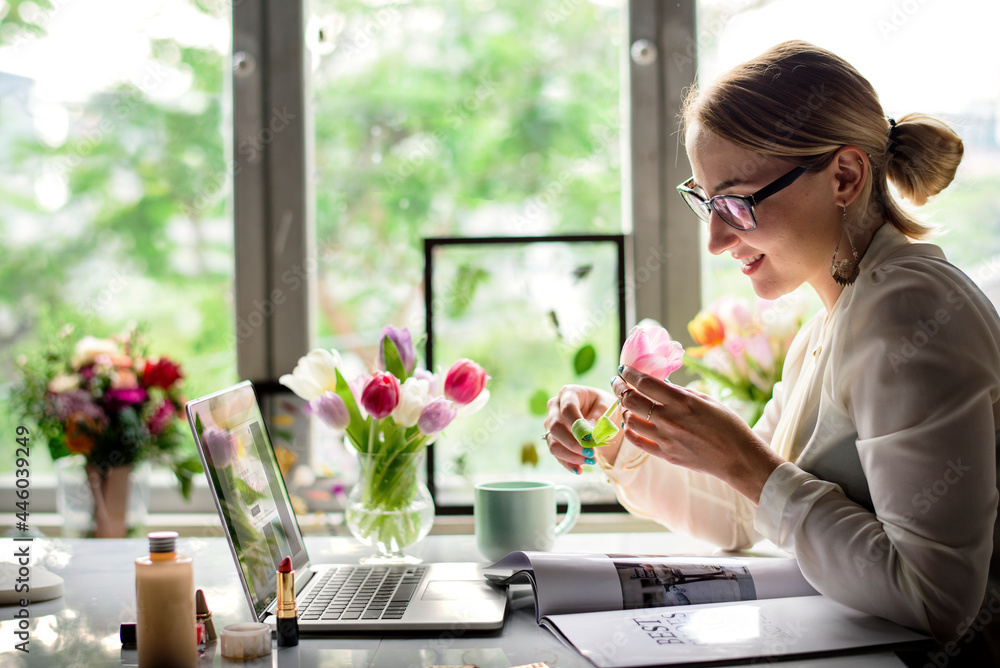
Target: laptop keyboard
362, 592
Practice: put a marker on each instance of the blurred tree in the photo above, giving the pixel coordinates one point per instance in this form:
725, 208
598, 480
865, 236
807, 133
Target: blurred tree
124, 217
460, 117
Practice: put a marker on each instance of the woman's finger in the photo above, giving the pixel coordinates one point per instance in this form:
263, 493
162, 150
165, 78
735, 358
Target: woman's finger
563, 411
637, 404
677, 400
660, 391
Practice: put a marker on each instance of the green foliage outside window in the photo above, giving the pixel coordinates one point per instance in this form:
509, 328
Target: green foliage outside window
124, 217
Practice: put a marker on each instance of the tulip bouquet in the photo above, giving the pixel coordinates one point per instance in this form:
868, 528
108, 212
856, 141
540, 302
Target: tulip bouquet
741, 352
389, 416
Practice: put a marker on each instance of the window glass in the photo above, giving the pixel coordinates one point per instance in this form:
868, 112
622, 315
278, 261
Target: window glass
561, 309
115, 181
934, 58
454, 118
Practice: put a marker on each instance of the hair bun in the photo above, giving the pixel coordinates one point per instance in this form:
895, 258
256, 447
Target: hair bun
922, 156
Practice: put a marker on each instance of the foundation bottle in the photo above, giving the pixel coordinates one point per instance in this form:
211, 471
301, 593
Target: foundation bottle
165, 612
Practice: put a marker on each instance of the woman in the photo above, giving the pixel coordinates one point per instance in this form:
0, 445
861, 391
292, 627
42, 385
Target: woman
875, 462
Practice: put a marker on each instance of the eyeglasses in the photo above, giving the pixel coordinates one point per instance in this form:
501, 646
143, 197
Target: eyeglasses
735, 210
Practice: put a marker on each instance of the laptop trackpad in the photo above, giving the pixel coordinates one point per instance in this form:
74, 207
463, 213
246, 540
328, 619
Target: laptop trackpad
456, 590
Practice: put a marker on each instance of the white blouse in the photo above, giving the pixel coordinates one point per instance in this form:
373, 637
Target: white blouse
889, 410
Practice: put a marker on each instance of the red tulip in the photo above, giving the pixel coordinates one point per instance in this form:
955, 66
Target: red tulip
380, 395
464, 382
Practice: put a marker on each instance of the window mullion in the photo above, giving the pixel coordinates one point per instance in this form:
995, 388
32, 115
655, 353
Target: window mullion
250, 191
664, 258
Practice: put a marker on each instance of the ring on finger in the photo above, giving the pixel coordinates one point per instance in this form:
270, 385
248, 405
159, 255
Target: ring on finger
650, 413
545, 436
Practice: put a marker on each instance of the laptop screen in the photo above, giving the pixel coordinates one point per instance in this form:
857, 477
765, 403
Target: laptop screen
248, 488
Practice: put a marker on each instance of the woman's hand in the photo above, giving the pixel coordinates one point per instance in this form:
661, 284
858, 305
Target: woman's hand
572, 403
690, 429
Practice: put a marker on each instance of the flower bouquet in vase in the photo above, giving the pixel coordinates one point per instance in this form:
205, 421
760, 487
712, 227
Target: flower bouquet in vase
390, 416
109, 404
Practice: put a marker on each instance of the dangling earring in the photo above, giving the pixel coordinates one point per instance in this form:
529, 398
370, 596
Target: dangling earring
845, 271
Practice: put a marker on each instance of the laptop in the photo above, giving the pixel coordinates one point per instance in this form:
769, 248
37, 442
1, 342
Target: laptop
261, 528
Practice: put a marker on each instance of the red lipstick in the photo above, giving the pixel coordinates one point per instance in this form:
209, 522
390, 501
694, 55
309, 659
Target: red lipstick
287, 614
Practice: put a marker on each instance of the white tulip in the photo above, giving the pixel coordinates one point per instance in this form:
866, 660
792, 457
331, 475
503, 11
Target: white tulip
315, 373
414, 395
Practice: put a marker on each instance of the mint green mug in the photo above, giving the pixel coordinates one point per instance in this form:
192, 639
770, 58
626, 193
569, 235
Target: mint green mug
520, 515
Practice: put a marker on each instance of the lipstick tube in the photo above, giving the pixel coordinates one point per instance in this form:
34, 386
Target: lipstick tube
287, 613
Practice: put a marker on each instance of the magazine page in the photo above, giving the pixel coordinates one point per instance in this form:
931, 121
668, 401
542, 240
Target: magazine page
563, 583
725, 632
572, 583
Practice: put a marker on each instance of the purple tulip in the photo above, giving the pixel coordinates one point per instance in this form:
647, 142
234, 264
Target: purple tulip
436, 415
381, 394
331, 409
404, 344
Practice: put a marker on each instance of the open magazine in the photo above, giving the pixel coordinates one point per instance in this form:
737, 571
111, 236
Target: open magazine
633, 610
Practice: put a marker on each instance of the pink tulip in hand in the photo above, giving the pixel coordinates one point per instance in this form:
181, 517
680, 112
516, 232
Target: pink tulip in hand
381, 394
649, 349
464, 382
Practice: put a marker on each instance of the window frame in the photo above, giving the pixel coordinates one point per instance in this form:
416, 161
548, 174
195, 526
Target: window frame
622, 295
273, 211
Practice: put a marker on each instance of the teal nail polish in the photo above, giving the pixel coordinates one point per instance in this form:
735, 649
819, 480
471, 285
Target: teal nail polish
623, 424
590, 460
588, 437
620, 369
588, 452
577, 470
613, 379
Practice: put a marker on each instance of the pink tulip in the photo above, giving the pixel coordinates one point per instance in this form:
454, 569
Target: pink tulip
380, 395
331, 409
649, 350
436, 415
464, 382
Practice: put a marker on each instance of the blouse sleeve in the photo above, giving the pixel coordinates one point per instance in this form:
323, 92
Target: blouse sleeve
680, 499
916, 371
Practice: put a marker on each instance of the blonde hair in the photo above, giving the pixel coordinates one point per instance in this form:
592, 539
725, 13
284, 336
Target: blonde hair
802, 102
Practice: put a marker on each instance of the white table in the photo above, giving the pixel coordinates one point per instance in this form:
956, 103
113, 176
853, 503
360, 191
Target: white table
81, 628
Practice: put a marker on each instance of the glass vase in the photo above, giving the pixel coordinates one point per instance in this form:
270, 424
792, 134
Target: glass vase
390, 507
102, 502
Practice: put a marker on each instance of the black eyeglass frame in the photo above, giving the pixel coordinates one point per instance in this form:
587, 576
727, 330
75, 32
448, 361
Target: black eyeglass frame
750, 201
